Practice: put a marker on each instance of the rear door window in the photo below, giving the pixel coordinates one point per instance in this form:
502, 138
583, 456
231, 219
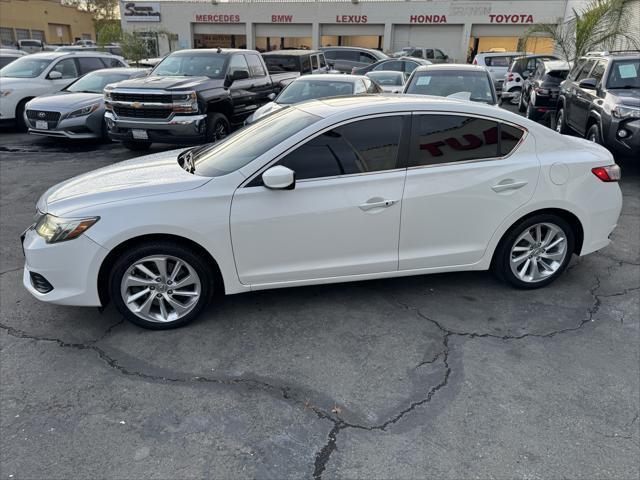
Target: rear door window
394, 65
305, 64
497, 61
430, 54
584, 71
367, 58
89, 64
314, 62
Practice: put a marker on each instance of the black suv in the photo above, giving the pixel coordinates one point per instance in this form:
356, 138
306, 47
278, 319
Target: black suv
601, 100
541, 90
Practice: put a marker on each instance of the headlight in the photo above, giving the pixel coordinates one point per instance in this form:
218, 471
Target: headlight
81, 112
4, 93
620, 111
55, 229
185, 103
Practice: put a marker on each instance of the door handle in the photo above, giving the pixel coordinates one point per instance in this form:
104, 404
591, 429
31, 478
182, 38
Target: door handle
508, 185
376, 203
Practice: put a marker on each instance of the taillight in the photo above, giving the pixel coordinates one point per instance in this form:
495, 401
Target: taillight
475, 62
610, 173
510, 77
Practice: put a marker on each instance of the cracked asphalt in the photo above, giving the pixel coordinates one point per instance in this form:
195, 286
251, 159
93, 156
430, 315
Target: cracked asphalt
450, 376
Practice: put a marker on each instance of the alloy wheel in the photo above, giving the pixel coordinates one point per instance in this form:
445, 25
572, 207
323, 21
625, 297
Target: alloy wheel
160, 288
560, 121
538, 252
220, 131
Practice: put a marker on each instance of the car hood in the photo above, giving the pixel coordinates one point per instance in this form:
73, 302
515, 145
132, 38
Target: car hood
629, 97
171, 83
154, 174
63, 101
16, 83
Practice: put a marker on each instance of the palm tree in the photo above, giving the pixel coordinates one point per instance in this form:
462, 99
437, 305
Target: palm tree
600, 24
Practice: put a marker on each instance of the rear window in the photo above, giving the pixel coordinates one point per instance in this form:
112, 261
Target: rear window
443, 83
556, 76
497, 61
278, 63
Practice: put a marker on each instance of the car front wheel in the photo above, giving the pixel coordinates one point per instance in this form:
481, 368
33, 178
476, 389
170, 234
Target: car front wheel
161, 285
593, 134
561, 124
535, 252
217, 127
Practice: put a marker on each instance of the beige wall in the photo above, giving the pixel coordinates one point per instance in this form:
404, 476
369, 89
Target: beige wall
48, 16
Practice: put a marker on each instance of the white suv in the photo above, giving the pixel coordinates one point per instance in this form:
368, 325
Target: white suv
497, 63
44, 73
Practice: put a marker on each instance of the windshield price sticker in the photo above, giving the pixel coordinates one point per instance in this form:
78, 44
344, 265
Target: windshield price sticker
423, 80
627, 70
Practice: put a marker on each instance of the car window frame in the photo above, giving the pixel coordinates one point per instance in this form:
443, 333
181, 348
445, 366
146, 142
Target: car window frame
582, 68
54, 65
499, 121
403, 149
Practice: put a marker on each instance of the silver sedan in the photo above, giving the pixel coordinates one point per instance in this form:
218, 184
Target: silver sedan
77, 111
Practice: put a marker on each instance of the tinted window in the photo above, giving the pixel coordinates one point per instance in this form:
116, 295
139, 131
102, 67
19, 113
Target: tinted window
349, 55
429, 53
394, 65
6, 61
323, 62
367, 58
450, 138
238, 64
314, 62
497, 61
309, 88
409, 66
442, 56
417, 53
255, 66
555, 77
305, 64
276, 63
364, 146
584, 71
598, 70
89, 64
509, 138
112, 62
67, 68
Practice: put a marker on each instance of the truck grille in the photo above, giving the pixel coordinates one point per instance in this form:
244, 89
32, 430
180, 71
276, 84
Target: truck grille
142, 112
141, 97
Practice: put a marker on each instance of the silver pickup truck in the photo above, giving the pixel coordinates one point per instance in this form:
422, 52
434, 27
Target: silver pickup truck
192, 96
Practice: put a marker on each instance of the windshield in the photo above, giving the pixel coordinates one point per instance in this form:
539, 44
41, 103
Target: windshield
386, 78
25, 67
248, 143
302, 90
192, 65
624, 74
447, 82
96, 81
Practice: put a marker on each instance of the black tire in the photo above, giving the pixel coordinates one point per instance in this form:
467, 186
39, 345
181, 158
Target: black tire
501, 265
105, 133
530, 113
136, 146
521, 105
517, 89
217, 127
561, 122
124, 263
21, 125
593, 134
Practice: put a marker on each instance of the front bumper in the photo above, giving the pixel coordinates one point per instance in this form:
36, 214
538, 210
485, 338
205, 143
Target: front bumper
628, 145
76, 128
177, 129
71, 268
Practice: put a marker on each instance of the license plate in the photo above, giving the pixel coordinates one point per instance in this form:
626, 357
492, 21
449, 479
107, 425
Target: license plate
139, 134
42, 125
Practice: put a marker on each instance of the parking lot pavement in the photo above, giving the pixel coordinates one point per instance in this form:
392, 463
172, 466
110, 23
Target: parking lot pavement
442, 376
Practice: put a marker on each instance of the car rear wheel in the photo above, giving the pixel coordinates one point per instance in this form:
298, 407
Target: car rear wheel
535, 252
137, 146
160, 285
593, 134
561, 124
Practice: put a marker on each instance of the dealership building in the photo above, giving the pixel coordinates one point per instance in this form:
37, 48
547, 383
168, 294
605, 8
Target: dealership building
456, 27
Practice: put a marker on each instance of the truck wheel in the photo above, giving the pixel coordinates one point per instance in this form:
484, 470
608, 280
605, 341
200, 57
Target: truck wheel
593, 135
136, 146
217, 127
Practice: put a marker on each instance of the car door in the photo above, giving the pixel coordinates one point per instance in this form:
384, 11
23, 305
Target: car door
242, 91
580, 100
261, 85
464, 179
343, 216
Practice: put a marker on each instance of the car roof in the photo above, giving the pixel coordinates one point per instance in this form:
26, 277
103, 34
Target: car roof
54, 55
362, 49
212, 50
292, 53
451, 66
329, 77
556, 65
373, 104
501, 54
537, 55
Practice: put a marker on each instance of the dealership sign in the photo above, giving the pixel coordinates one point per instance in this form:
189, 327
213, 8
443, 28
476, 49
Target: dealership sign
521, 18
428, 19
141, 11
217, 18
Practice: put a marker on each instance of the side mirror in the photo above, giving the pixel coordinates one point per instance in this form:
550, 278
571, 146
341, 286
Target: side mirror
271, 96
331, 64
588, 83
279, 178
236, 75
55, 75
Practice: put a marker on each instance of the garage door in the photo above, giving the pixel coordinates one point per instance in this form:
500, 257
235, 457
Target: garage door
280, 30
219, 28
351, 30
445, 37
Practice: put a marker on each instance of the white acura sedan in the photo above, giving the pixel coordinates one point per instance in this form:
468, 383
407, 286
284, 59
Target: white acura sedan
337, 190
